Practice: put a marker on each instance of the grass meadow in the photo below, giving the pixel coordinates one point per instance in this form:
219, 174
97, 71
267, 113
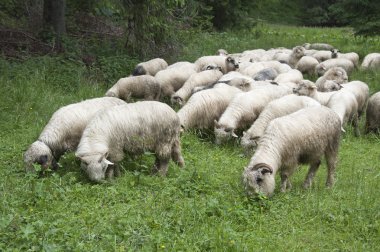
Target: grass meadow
200, 208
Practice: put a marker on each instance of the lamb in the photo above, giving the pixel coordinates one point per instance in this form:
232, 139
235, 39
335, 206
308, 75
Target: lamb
143, 86
361, 92
331, 79
371, 61
301, 137
308, 88
172, 79
318, 46
292, 76
265, 74
200, 79
150, 67
276, 108
346, 64
205, 106
306, 65
345, 105
244, 109
227, 64
373, 114
63, 132
354, 57
132, 128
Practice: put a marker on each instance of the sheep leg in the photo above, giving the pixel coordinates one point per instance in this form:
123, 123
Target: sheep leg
284, 181
356, 125
331, 163
176, 154
110, 172
311, 173
161, 166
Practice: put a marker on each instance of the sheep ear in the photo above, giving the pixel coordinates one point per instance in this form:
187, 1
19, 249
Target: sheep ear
342, 130
108, 162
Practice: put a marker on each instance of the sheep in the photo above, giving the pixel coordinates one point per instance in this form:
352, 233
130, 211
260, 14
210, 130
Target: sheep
371, 61
346, 64
172, 79
318, 46
308, 88
307, 64
221, 52
63, 132
361, 92
354, 57
331, 79
143, 86
182, 64
301, 137
244, 109
292, 76
321, 56
227, 64
265, 74
297, 53
373, 114
200, 79
150, 67
276, 108
134, 129
205, 106
256, 67
345, 105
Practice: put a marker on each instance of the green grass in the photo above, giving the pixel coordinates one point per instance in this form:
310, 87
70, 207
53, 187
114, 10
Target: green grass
202, 207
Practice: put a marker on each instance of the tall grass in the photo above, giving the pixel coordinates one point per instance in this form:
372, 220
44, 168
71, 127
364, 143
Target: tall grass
202, 207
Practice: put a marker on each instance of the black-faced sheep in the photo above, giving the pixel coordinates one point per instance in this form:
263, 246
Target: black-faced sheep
277, 108
144, 86
302, 137
134, 129
373, 114
150, 67
63, 132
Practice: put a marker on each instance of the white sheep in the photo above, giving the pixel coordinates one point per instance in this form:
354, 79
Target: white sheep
173, 78
373, 114
346, 64
205, 106
318, 46
200, 79
143, 86
331, 79
227, 64
276, 108
371, 61
134, 129
182, 64
361, 92
63, 132
244, 109
297, 53
307, 64
150, 67
345, 105
308, 88
292, 76
301, 137
321, 56
354, 57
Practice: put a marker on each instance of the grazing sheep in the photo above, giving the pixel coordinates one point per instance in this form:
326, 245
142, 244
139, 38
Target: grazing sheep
63, 132
265, 74
345, 105
373, 114
361, 92
143, 86
292, 76
132, 128
244, 109
321, 56
150, 67
172, 79
302, 137
318, 46
371, 61
276, 108
200, 79
331, 79
227, 64
307, 64
354, 57
346, 64
205, 106
308, 88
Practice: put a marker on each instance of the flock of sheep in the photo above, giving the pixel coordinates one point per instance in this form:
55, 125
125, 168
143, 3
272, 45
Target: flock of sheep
287, 120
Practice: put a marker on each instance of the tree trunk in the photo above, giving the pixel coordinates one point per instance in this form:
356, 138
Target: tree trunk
54, 15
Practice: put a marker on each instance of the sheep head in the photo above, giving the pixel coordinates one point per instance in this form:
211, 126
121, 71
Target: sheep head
249, 143
231, 64
223, 133
95, 165
259, 179
305, 87
39, 154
